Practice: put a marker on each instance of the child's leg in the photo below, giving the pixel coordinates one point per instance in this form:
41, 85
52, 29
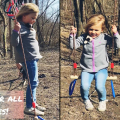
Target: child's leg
100, 80
33, 75
28, 96
86, 79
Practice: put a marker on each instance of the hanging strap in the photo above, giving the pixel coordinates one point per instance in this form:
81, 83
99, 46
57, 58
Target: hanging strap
71, 87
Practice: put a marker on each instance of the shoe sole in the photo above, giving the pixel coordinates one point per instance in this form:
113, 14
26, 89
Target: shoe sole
89, 109
101, 110
28, 113
40, 109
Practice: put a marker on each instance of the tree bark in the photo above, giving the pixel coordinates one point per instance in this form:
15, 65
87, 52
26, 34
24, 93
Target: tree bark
30, 1
39, 34
11, 48
78, 5
25, 1
37, 3
5, 32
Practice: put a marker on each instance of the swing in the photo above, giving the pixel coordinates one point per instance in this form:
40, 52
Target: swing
111, 77
74, 76
74, 64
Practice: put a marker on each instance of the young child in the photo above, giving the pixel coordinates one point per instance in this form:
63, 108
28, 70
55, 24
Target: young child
26, 16
94, 60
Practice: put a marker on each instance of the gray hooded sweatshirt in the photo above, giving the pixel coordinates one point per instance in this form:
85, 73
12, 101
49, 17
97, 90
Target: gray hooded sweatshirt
94, 55
30, 44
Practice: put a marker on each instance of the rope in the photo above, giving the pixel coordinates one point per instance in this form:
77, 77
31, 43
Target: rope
115, 3
72, 84
73, 51
24, 60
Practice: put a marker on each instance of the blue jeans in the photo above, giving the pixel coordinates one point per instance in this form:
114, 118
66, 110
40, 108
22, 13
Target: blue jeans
100, 80
33, 75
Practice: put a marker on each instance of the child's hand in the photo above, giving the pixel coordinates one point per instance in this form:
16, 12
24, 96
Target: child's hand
73, 30
114, 29
19, 65
17, 26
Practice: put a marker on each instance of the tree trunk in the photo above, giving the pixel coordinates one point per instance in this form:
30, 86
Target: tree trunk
52, 30
5, 32
78, 5
11, 50
4, 39
30, 1
36, 1
39, 34
25, 1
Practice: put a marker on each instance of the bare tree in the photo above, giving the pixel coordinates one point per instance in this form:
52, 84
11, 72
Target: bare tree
30, 1
46, 25
11, 48
78, 6
5, 31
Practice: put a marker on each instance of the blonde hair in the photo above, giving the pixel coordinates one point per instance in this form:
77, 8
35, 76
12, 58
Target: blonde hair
94, 20
27, 9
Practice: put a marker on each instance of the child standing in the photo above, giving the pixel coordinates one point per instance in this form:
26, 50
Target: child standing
94, 60
26, 17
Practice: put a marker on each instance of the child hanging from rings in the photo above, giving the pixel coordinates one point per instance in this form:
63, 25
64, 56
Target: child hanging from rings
26, 17
94, 60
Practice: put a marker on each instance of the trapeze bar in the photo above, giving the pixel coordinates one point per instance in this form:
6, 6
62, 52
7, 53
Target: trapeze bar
74, 77
112, 78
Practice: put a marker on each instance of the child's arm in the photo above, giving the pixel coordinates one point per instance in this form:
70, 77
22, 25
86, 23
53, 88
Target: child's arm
116, 35
15, 34
78, 41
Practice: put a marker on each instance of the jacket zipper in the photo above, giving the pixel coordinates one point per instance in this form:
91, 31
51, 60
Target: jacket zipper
93, 56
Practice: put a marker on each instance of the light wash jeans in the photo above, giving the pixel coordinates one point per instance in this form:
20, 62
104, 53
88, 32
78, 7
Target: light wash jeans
100, 80
33, 75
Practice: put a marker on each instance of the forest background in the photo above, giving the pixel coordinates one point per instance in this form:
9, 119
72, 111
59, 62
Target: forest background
76, 13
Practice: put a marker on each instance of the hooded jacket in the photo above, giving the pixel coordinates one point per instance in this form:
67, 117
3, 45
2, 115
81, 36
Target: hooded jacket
94, 55
30, 44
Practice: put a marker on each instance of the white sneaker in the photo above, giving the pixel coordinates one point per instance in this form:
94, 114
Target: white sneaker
102, 105
40, 107
88, 105
30, 111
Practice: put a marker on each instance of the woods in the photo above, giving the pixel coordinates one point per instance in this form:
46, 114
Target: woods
83, 9
47, 25
77, 12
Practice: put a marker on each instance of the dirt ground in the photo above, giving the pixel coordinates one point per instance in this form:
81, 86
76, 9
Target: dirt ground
48, 88
72, 107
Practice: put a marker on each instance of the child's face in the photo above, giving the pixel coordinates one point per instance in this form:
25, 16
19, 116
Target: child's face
30, 18
95, 30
